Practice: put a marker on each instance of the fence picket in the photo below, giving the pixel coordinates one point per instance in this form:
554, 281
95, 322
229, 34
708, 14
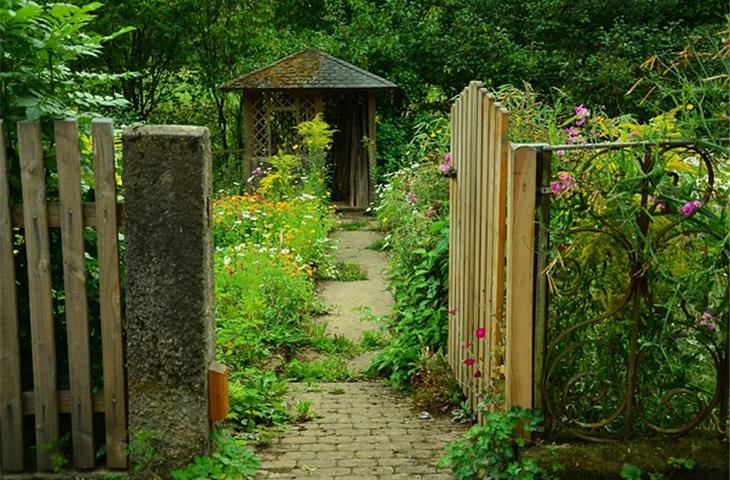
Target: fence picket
11, 415
72, 240
32, 173
451, 352
109, 294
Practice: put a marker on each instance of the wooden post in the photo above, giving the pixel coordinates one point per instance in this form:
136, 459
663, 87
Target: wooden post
521, 186
248, 122
33, 178
544, 168
68, 160
372, 150
11, 415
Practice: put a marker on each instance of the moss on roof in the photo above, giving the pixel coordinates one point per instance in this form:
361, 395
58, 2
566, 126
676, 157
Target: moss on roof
309, 68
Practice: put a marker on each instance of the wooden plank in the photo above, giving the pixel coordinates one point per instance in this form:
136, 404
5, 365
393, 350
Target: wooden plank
522, 187
473, 296
501, 142
481, 253
68, 159
64, 402
109, 294
54, 215
486, 227
463, 176
477, 249
466, 245
451, 344
11, 417
32, 173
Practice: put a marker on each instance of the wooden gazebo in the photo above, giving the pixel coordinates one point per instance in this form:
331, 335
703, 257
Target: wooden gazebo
298, 87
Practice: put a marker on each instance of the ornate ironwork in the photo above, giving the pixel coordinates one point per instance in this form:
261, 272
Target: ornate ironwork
637, 333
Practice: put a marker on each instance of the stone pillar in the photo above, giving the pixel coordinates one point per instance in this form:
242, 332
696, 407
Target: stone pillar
169, 295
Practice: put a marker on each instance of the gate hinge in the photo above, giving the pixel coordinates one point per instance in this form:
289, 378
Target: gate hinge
544, 190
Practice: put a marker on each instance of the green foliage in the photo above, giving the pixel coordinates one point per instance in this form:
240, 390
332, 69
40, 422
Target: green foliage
230, 460
488, 451
304, 411
270, 245
413, 210
143, 452
256, 399
42, 44
373, 340
330, 369
631, 472
346, 271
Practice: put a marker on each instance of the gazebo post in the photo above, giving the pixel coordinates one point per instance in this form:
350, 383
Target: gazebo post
247, 101
372, 150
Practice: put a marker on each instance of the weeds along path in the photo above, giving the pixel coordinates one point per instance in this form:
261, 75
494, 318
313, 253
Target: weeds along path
359, 430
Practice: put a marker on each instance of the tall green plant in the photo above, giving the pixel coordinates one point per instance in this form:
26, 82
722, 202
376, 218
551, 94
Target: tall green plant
40, 47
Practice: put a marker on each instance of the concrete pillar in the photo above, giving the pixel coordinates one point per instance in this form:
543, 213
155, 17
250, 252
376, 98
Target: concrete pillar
169, 294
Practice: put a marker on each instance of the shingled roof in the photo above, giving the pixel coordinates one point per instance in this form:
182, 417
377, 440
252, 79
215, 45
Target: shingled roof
309, 68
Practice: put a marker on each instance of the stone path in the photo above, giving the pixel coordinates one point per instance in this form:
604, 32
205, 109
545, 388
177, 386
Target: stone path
363, 430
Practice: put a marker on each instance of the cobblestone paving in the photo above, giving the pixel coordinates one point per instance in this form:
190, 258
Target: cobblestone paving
364, 431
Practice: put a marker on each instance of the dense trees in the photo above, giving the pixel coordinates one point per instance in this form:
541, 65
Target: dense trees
592, 50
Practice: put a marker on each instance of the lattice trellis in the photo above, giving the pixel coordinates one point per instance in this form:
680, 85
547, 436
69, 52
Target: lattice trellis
274, 116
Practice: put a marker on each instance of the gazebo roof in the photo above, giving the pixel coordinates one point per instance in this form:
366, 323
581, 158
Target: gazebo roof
309, 68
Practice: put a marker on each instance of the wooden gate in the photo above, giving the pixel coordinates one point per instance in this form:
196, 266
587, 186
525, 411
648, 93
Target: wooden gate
31, 221
491, 248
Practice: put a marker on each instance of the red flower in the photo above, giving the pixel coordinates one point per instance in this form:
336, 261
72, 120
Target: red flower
469, 361
477, 374
481, 332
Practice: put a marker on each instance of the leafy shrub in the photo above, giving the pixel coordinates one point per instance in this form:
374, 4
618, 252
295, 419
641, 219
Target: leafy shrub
230, 460
256, 399
413, 210
489, 450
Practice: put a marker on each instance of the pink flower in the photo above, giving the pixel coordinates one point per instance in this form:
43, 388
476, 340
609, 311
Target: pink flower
707, 321
567, 181
477, 374
661, 206
690, 207
581, 111
555, 187
446, 166
572, 131
469, 362
431, 212
560, 153
580, 122
411, 197
452, 311
481, 332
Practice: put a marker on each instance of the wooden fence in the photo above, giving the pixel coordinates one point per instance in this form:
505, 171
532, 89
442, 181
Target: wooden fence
33, 219
492, 201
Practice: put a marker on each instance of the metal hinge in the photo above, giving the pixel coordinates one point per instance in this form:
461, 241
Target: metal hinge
544, 190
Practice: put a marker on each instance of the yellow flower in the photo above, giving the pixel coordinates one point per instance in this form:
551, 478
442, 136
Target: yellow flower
690, 106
